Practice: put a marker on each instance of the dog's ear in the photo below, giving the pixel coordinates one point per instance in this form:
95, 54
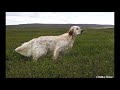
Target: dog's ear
71, 32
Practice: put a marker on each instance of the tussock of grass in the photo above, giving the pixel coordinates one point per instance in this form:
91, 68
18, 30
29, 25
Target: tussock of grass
91, 56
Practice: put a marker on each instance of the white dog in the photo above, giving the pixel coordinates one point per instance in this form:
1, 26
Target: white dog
41, 45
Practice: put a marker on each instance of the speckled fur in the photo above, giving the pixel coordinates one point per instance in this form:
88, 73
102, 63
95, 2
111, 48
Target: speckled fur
38, 47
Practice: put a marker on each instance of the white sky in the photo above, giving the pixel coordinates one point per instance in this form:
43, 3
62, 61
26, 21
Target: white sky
14, 18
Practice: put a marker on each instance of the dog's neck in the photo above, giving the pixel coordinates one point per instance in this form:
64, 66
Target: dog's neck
69, 37
72, 37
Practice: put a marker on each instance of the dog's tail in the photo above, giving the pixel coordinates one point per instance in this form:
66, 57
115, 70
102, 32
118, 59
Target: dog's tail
25, 49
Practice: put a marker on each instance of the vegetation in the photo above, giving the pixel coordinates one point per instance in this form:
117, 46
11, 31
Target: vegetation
92, 55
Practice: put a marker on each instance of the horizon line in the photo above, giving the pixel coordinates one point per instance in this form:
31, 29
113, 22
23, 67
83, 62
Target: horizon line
55, 23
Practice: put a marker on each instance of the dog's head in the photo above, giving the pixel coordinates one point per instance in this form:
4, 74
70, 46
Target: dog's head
75, 30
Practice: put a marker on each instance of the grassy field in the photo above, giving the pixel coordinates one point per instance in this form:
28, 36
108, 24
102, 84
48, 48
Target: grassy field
91, 56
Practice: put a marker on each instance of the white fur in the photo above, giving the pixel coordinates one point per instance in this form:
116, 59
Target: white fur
41, 45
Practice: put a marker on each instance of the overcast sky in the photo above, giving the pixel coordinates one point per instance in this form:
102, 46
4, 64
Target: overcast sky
15, 18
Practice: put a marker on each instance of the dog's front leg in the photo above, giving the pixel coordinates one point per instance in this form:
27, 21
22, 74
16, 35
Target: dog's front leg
56, 52
71, 45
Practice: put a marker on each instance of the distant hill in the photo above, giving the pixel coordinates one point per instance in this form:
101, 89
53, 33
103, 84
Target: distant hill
37, 26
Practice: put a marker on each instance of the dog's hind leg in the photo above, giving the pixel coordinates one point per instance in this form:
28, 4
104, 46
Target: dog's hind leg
38, 53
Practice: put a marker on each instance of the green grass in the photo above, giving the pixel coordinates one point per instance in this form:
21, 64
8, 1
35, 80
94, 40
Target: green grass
92, 55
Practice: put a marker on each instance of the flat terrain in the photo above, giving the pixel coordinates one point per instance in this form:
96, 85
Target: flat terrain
92, 55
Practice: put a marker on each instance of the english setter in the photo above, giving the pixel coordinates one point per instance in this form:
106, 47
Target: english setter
38, 47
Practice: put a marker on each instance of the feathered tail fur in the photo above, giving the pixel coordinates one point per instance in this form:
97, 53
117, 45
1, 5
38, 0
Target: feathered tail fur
25, 49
